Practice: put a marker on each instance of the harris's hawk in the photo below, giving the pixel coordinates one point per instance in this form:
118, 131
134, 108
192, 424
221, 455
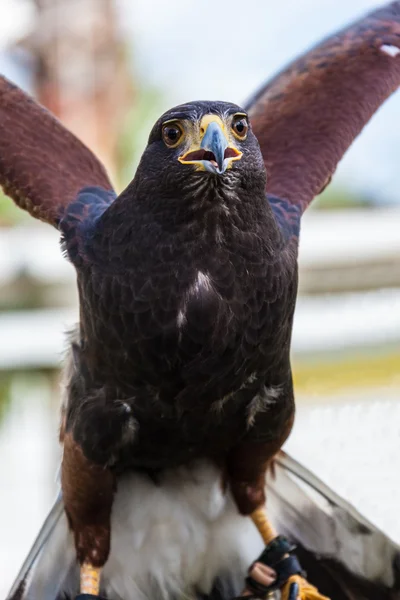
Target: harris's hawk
179, 370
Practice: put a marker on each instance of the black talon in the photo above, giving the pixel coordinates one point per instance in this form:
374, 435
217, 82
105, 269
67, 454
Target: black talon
294, 591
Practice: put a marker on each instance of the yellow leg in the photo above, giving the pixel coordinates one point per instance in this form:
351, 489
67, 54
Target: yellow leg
267, 531
90, 579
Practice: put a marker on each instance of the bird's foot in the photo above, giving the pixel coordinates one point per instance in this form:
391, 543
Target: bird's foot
277, 568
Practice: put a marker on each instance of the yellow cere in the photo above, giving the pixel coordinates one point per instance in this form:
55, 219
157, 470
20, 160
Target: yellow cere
207, 119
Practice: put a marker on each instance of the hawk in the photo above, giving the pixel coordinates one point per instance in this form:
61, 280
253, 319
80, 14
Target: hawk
179, 369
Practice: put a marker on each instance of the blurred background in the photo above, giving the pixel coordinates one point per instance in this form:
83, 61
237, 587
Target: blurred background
107, 69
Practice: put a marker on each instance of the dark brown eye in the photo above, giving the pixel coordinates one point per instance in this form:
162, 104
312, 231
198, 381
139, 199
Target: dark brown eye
171, 133
240, 127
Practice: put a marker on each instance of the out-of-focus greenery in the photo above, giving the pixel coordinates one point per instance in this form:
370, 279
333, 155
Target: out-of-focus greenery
28, 383
10, 214
135, 132
24, 293
336, 197
5, 395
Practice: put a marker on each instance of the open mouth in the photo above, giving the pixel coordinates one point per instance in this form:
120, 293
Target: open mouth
207, 155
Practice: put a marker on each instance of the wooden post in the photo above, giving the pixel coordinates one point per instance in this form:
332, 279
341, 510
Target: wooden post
81, 70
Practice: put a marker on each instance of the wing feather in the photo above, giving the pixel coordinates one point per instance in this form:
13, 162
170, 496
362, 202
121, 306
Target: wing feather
43, 166
307, 116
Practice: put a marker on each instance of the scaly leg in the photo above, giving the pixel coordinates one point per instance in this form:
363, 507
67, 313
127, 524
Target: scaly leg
88, 491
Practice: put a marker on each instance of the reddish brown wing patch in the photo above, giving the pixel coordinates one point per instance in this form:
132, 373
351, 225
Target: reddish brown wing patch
309, 114
42, 165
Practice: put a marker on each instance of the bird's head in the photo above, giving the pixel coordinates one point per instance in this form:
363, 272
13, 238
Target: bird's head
204, 142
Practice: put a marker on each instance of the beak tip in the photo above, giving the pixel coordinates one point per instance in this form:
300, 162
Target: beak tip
221, 169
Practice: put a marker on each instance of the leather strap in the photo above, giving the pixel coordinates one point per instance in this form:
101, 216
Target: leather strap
276, 555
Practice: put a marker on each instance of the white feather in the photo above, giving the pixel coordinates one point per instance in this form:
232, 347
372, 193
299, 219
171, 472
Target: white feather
261, 402
201, 286
169, 539
175, 538
392, 51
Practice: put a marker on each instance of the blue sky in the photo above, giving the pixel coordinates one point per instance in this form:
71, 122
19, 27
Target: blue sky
225, 50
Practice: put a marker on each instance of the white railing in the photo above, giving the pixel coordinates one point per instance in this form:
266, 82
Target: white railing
324, 322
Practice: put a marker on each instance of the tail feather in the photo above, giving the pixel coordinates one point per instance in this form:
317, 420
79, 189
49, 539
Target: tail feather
44, 573
338, 544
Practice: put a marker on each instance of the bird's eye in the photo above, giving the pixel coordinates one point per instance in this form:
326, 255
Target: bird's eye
171, 134
240, 126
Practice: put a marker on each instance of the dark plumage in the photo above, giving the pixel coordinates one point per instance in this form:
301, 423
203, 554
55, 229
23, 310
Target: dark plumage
192, 284
187, 288
187, 280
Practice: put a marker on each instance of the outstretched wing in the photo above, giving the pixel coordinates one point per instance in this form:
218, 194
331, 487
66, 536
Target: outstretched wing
310, 113
43, 166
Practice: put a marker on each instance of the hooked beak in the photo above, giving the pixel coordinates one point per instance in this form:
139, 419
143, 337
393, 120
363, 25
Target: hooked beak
214, 154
